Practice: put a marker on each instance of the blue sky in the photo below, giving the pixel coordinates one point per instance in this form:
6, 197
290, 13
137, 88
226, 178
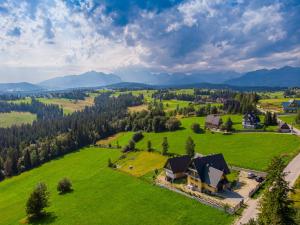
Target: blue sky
40, 39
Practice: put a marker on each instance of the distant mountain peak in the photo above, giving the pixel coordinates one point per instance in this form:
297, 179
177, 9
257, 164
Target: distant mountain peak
87, 79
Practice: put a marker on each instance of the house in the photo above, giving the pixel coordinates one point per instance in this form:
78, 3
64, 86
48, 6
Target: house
213, 122
176, 167
208, 173
250, 121
284, 128
292, 106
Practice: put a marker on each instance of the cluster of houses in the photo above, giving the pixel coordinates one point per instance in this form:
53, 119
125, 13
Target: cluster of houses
250, 121
292, 106
203, 173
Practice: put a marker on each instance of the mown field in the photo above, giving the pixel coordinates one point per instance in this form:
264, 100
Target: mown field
16, 118
248, 150
69, 106
101, 196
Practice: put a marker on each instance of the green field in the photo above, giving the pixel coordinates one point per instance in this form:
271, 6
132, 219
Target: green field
69, 106
102, 196
248, 150
19, 101
274, 104
16, 118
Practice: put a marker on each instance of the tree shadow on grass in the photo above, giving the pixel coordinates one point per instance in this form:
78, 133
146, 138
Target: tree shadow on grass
47, 218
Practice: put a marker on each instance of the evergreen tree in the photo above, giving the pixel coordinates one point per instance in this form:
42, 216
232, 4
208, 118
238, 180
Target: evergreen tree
149, 146
190, 147
228, 124
276, 207
27, 159
38, 200
165, 146
297, 120
274, 119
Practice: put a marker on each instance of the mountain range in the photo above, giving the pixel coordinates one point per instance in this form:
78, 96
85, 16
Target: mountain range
283, 77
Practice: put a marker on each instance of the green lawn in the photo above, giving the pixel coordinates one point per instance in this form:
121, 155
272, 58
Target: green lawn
16, 118
102, 196
248, 150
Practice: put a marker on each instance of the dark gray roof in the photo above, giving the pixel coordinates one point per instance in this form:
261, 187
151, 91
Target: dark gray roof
284, 126
178, 164
251, 118
292, 104
213, 119
211, 168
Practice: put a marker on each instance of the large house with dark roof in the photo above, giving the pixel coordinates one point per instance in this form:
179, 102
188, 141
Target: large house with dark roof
204, 173
250, 121
176, 167
292, 106
213, 122
208, 173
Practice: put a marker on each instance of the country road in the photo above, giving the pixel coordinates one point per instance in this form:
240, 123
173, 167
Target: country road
293, 172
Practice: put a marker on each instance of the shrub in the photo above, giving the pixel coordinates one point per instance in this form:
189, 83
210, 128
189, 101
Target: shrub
137, 137
196, 128
38, 200
64, 186
173, 124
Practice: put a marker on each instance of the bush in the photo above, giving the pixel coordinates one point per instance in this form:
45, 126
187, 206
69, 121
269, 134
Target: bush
137, 137
38, 200
64, 186
173, 124
196, 128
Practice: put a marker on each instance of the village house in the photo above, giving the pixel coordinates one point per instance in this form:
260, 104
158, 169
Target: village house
208, 173
204, 173
250, 121
284, 128
292, 106
213, 122
176, 167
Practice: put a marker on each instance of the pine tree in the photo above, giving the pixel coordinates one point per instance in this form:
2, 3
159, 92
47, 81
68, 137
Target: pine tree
165, 146
38, 200
297, 120
27, 159
228, 124
190, 147
149, 146
274, 119
276, 207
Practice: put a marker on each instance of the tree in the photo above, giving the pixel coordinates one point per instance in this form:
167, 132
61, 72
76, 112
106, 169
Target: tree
297, 120
165, 146
137, 136
38, 201
196, 128
268, 119
190, 147
149, 146
274, 119
276, 207
228, 124
64, 186
173, 124
131, 145
27, 159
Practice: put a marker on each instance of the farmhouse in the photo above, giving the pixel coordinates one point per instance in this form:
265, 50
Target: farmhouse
213, 122
291, 106
250, 121
208, 173
176, 167
284, 128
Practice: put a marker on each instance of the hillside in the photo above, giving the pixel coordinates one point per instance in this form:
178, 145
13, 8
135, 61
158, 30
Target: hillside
101, 196
88, 79
19, 87
283, 77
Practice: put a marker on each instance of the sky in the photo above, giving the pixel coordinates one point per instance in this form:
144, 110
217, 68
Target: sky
40, 39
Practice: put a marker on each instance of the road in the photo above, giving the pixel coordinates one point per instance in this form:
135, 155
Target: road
293, 172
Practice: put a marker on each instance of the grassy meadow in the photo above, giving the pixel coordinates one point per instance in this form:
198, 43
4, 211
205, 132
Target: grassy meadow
69, 106
290, 119
101, 196
248, 150
16, 118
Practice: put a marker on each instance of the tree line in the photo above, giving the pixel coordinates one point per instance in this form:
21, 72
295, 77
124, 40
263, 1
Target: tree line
27, 146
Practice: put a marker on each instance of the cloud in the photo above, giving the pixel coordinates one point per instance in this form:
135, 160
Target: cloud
173, 35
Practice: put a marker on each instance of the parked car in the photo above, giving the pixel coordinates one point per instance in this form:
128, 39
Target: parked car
251, 175
259, 179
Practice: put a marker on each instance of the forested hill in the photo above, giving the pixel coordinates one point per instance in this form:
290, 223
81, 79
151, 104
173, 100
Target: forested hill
283, 77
